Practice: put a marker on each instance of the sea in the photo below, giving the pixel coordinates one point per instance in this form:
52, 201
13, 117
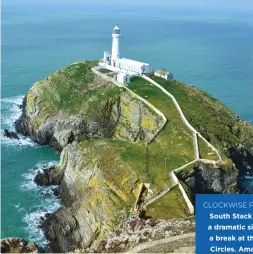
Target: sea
209, 48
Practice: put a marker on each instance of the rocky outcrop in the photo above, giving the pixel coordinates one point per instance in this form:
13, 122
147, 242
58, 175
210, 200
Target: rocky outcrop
136, 231
10, 134
242, 156
95, 197
122, 117
74, 104
207, 178
18, 245
49, 176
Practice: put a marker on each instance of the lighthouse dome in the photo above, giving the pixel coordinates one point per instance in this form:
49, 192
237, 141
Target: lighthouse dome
116, 30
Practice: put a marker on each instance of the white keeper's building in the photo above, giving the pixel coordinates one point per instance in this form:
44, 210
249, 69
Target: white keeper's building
124, 66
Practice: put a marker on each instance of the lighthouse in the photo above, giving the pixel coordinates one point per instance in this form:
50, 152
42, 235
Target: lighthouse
115, 45
123, 67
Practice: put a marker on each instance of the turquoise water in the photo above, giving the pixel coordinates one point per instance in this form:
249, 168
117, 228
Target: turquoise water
211, 49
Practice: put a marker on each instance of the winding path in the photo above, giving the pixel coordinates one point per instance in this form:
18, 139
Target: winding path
196, 135
182, 116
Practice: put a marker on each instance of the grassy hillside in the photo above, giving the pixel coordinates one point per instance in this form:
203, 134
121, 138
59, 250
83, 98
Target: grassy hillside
72, 90
171, 205
208, 115
175, 142
133, 155
77, 91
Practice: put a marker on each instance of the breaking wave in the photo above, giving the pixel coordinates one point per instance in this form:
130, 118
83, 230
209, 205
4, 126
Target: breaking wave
34, 216
11, 111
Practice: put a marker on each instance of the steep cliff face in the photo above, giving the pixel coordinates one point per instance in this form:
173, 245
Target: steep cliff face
86, 118
96, 195
74, 104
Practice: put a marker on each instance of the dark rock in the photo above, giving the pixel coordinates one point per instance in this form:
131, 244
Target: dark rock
206, 178
45, 194
47, 215
22, 125
50, 176
18, 245
63, 223
10, 134
56, 192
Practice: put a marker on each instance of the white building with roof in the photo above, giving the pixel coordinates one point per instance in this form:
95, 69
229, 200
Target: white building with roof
164, 74
123, 77
132, 65
127, 66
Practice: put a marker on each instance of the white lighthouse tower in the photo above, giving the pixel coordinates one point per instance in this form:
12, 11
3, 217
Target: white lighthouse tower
115, 45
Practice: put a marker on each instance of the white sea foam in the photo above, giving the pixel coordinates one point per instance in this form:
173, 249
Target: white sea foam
29, 183
48, 204
22, 141
10, 113
11, 110
33, 219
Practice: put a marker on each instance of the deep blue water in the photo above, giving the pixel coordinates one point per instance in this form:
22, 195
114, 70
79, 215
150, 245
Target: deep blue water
212, 49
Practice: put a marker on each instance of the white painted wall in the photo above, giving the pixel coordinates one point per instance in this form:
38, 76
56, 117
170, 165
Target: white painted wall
123, 78
115, 47
107, 54
133, 67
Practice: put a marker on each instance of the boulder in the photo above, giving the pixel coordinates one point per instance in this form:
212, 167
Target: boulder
49, 176
18, 245
10, 134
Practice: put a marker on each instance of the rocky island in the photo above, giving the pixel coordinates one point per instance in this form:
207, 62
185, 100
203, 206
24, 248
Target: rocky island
120, 178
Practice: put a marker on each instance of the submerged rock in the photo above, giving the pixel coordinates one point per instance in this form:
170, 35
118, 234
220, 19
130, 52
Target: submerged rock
10, 134
18, 245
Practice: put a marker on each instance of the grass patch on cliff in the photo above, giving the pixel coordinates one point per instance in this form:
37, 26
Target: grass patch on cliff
122, 164
75, 88
174, 145
138, 157
206, 152
208, 115
171, 205
104, 71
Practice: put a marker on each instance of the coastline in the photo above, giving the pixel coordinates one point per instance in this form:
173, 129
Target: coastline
62, 186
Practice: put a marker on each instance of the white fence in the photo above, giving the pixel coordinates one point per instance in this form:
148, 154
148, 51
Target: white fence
195, 132
182, 115
185, 196
95, 70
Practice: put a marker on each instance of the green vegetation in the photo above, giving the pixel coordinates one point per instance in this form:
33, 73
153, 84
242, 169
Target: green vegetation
138, 158
104, 70
72, 90
171, 205
206, 152
210, 117
175, 142
118, 159
76, 90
